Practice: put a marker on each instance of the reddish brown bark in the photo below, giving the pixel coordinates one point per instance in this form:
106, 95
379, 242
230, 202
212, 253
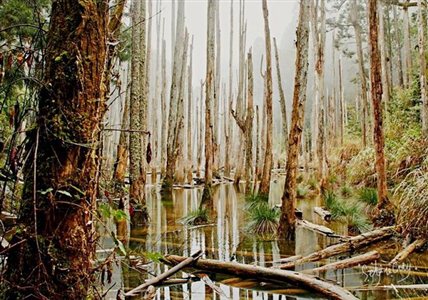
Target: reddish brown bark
54, 259
384, 214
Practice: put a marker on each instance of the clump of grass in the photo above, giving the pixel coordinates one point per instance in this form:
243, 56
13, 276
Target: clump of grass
263, 220
351, 211
368, 196
302, 191
346, 191
413, 196
254, 200
195, 217
361, 168
312, 183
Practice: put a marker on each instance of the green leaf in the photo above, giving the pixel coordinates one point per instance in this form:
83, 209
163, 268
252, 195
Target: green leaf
46, 191
105, 210
153, 256
120, 215
119, 244
65, 193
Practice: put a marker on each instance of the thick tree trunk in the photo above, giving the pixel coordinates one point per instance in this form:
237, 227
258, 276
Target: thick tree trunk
423, 67
267, 165
287, 221
284, 121
385, 210
209, 94
55, 249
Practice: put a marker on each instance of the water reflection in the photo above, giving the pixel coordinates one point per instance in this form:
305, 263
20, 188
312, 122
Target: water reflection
226, 238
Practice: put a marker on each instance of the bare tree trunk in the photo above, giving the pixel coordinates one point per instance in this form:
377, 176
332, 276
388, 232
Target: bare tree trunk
342, 108
228, 134
136, 192
164, 128
216, 99
284, 133
355, 20
201, 127
147, 120
209, 94
267, 166
144, 82
173, 119
407, 44
398, 48
189, 117
256, 172
52, 256
321, 32
249, 127
385, 210
287, 222
384, 61
423, 68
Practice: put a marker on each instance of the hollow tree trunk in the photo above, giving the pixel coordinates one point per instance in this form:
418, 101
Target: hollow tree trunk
55, 250
287, 222
385, 210
267, 165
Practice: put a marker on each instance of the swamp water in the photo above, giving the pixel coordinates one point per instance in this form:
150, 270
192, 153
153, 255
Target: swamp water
227, 238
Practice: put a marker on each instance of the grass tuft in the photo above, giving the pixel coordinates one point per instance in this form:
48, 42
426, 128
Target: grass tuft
263, 219
196, 217
368, 196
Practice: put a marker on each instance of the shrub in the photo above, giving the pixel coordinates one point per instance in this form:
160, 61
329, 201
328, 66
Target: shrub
368, 196
263, 219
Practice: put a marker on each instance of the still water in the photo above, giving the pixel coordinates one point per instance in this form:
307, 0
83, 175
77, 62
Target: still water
227, 238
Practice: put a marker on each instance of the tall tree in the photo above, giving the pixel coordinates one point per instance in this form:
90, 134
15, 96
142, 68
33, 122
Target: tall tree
136, 168
287, 222
55, 249
267, 166
209, 95
228, 132
384, 214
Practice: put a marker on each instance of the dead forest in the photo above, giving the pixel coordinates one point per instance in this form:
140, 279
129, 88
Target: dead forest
233, 149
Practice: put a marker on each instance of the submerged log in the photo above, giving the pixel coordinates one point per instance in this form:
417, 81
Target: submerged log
315, 227
324, 214
158, 279
407, 251
350, 245
347, 263
266, 274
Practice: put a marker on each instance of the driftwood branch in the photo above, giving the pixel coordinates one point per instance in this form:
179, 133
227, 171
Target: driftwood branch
158, 279
347, 263
407, 251
350, 245
266, 275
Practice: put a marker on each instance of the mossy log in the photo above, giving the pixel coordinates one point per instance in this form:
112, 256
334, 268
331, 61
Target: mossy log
266, 275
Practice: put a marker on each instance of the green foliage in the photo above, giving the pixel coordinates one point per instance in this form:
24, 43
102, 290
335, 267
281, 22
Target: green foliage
253, 200
302, 191
351, 211
106, 211
368, 196
346, 191
361, 168
263, 219
195, 217
153, 256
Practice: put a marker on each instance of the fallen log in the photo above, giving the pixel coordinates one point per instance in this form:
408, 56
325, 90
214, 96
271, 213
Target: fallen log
347, 263
266, 275
158, 279
324, 214
407, 251
315, 227
350, 245
391, 287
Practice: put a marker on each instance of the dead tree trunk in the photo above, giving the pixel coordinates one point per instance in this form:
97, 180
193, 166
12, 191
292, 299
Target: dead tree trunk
136, 169
58, 202
287, 222
189, 117
164, 112
228, 132
407, 45
355, 20
284, 121
267, 165
209, 94
423, 67
173, 128
217, 85
249, 127
385, 210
